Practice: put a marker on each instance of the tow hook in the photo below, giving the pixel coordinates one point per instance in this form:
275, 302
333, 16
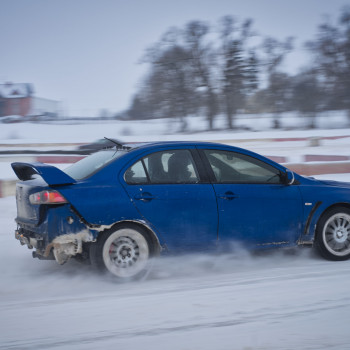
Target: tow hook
22, 239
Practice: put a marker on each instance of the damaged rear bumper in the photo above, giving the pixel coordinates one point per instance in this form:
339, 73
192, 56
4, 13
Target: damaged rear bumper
61, 249
60, 235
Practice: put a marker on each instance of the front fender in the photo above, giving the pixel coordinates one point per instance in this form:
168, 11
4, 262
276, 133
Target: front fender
309, 233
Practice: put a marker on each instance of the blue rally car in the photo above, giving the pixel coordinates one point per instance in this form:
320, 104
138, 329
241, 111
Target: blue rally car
120, 207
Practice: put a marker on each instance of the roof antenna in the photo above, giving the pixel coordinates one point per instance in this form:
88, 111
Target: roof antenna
115, 142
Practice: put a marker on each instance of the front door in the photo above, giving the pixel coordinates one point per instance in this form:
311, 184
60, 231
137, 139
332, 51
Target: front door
255, 206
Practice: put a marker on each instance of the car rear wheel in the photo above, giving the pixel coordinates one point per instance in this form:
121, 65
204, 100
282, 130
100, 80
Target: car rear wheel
125, 252
333, 234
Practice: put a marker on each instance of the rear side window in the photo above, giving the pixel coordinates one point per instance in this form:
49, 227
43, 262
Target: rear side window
168, 167
91, 164
136, 174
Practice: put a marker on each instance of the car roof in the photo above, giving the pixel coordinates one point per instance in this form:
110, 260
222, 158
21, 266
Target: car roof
155, 144
139, 146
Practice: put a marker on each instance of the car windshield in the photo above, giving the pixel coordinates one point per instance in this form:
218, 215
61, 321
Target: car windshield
91, 164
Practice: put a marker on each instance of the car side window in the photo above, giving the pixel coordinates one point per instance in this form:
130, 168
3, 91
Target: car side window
167, 167
232, 167
136, 174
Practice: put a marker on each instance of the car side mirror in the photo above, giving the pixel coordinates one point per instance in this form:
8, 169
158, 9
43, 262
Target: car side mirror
289, 177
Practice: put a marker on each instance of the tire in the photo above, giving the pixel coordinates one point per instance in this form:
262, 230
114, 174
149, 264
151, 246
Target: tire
124, 251
333, 234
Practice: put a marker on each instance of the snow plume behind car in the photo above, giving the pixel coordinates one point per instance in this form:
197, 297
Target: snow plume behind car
23, 269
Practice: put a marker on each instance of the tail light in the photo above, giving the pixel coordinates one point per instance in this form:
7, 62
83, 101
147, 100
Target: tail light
47, 197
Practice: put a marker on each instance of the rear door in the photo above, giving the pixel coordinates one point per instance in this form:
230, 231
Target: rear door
168, 190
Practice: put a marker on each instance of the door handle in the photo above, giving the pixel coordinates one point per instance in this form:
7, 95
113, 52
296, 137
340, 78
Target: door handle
228, 195
144, 197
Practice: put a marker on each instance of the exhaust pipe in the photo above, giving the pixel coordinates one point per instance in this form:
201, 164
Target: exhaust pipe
41, 257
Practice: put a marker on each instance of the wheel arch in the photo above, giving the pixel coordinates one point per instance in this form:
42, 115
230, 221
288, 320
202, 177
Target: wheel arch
328, 209
150, 235
317, 218
310, 231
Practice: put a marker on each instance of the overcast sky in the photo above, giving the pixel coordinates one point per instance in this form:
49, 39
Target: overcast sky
85, 53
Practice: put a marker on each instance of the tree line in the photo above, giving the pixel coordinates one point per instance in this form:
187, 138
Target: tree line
229, 69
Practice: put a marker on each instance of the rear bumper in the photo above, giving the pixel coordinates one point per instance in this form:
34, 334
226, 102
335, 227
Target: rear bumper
59, 236
55, 221
36, 243
61, 249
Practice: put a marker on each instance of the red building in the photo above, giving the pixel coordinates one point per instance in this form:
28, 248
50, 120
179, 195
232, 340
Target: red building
19, 100
15, 99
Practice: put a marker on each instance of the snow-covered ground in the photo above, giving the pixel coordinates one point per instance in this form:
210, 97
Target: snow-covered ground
256, 126
276, 300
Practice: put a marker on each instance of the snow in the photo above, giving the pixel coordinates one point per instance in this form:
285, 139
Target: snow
274, 300
10, 90
257, 126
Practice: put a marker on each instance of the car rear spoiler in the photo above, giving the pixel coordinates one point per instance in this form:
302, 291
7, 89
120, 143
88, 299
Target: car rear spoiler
51, 174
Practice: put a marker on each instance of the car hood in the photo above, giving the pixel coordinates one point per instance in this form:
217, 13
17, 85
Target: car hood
335, 183
50, 174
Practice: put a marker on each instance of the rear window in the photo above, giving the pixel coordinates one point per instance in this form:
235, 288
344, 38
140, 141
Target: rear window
91, 164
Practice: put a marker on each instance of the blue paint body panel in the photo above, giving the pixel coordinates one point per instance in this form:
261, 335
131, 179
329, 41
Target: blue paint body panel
183, 216
260, 214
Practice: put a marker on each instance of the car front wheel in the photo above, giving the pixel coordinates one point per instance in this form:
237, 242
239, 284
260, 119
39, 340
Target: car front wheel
333, 234
124, 252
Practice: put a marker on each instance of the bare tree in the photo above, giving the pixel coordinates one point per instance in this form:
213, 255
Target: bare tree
307, 94
278, 84
239, 66
168, 89
331, 50
202, 64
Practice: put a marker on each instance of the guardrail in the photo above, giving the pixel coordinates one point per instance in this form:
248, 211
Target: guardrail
320, 168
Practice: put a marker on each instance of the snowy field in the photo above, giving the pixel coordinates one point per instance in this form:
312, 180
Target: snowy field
255, 127
273, 301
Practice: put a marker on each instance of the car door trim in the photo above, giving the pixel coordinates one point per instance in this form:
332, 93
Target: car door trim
309, 218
